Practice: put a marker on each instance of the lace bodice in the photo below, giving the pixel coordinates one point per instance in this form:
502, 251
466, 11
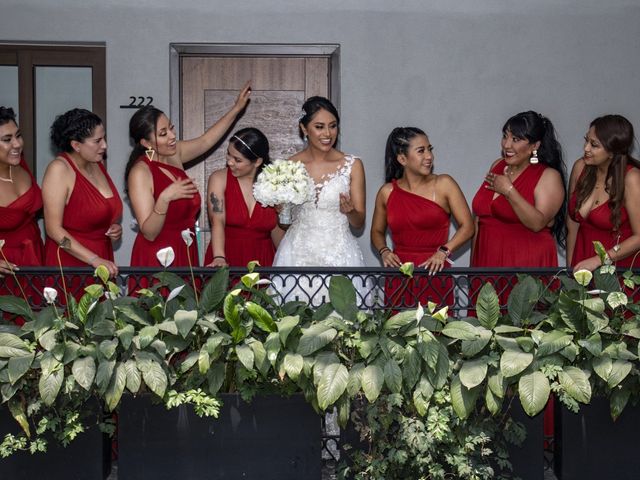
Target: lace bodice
320, 234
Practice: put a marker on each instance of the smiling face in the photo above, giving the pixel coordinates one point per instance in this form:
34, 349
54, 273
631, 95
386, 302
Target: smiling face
322, 130
239, 165
594, 152
11, 144
517, 151
419, 156
164, 141
92, 148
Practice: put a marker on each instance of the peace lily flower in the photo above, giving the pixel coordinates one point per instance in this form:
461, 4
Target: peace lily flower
166, 256
583, 277
50, 295
187, 235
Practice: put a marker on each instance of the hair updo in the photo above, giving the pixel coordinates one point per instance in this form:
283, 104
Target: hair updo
252, 145
312, 106
76, 125
7, 115
398, 144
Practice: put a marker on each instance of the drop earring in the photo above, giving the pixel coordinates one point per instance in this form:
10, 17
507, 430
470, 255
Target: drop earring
150, 153
534, 157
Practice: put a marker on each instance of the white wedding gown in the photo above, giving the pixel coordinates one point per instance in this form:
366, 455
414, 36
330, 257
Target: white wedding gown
319, 236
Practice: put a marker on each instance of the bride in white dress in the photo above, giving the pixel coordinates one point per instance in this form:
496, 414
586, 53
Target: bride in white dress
320, 234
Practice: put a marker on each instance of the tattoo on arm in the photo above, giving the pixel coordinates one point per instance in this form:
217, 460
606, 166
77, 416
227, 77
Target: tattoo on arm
217, 204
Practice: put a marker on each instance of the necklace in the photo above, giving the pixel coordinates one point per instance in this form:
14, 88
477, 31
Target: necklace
10, 179
510, 171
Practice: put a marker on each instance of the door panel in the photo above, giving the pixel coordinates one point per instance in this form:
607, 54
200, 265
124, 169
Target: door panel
279, 87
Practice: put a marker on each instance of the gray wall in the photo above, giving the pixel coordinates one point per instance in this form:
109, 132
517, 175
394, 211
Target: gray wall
457, 69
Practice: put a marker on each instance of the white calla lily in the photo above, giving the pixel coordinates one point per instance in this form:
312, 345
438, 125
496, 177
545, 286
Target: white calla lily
50, 294
166, 256
583, 277
187, 236
174, 293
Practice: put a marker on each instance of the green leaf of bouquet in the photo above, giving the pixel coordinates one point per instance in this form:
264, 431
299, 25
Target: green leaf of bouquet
11, 304
533, 390
18, 366
286, 326
460, 330
245, 356
12, 346
261, 317
473, 372
393, 376
185, 320
372, 381
342, 295
49, 386
513, 362
463, 400
134, 377
411, 366
116, 387
576, 383
332, 384
553, 341
84, 371
293, 364
488, 306
314, 338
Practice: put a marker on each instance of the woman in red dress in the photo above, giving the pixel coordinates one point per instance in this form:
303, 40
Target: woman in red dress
416, 205
519, 208
82, 207
20, 200
242, 230
604, 204
164, 199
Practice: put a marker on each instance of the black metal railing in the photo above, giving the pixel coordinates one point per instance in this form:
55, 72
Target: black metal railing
376, 288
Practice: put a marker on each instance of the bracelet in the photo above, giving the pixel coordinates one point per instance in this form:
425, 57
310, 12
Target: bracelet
156, 211
383, 250
92, 259
220, 256
508, 192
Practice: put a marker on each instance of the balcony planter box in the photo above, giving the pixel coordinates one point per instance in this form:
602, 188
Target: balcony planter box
86, 458
528, 458
590, 445
271, 438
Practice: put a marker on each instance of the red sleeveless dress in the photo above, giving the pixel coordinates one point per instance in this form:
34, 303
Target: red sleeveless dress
181, 215
246, 237
418, 227
23, 241
598, 226
87, 216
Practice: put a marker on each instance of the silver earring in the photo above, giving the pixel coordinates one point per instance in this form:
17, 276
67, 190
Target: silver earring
534, 157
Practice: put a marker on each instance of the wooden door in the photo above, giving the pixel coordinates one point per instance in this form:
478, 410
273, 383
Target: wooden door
280, 85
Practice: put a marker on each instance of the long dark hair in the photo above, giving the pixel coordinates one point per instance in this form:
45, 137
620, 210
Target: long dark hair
312, 106
252, 145
398, 144
141, 126
615, 133
76, 125
538, 128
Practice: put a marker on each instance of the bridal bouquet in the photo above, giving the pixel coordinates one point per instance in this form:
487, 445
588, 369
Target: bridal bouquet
283, 183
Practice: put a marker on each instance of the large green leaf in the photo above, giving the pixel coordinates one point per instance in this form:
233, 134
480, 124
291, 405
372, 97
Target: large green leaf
355, 379
286, 326
147, 335
393, 376
204, 361
18, 366
134, 378
154, 377
103, 374
372, 381
185, 320
293, 364
12, 346
571, 313
463, 400
125, 335
215, 377
17, 409
272, 345
343, 296
473, 372
332, 384
400, 320
440, 374
108, 348
492, 401
429, 349
618, 401
411, 366
488, 306
533, 390
260, 357
49, 385
314, 338
245, 355
261, 317
576, 383
553, 342
513, 362
366, 344
84, 371
116, 386
521, 301
214, 291
470, 348
619, 371
16, 305
497, 384
460, 330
